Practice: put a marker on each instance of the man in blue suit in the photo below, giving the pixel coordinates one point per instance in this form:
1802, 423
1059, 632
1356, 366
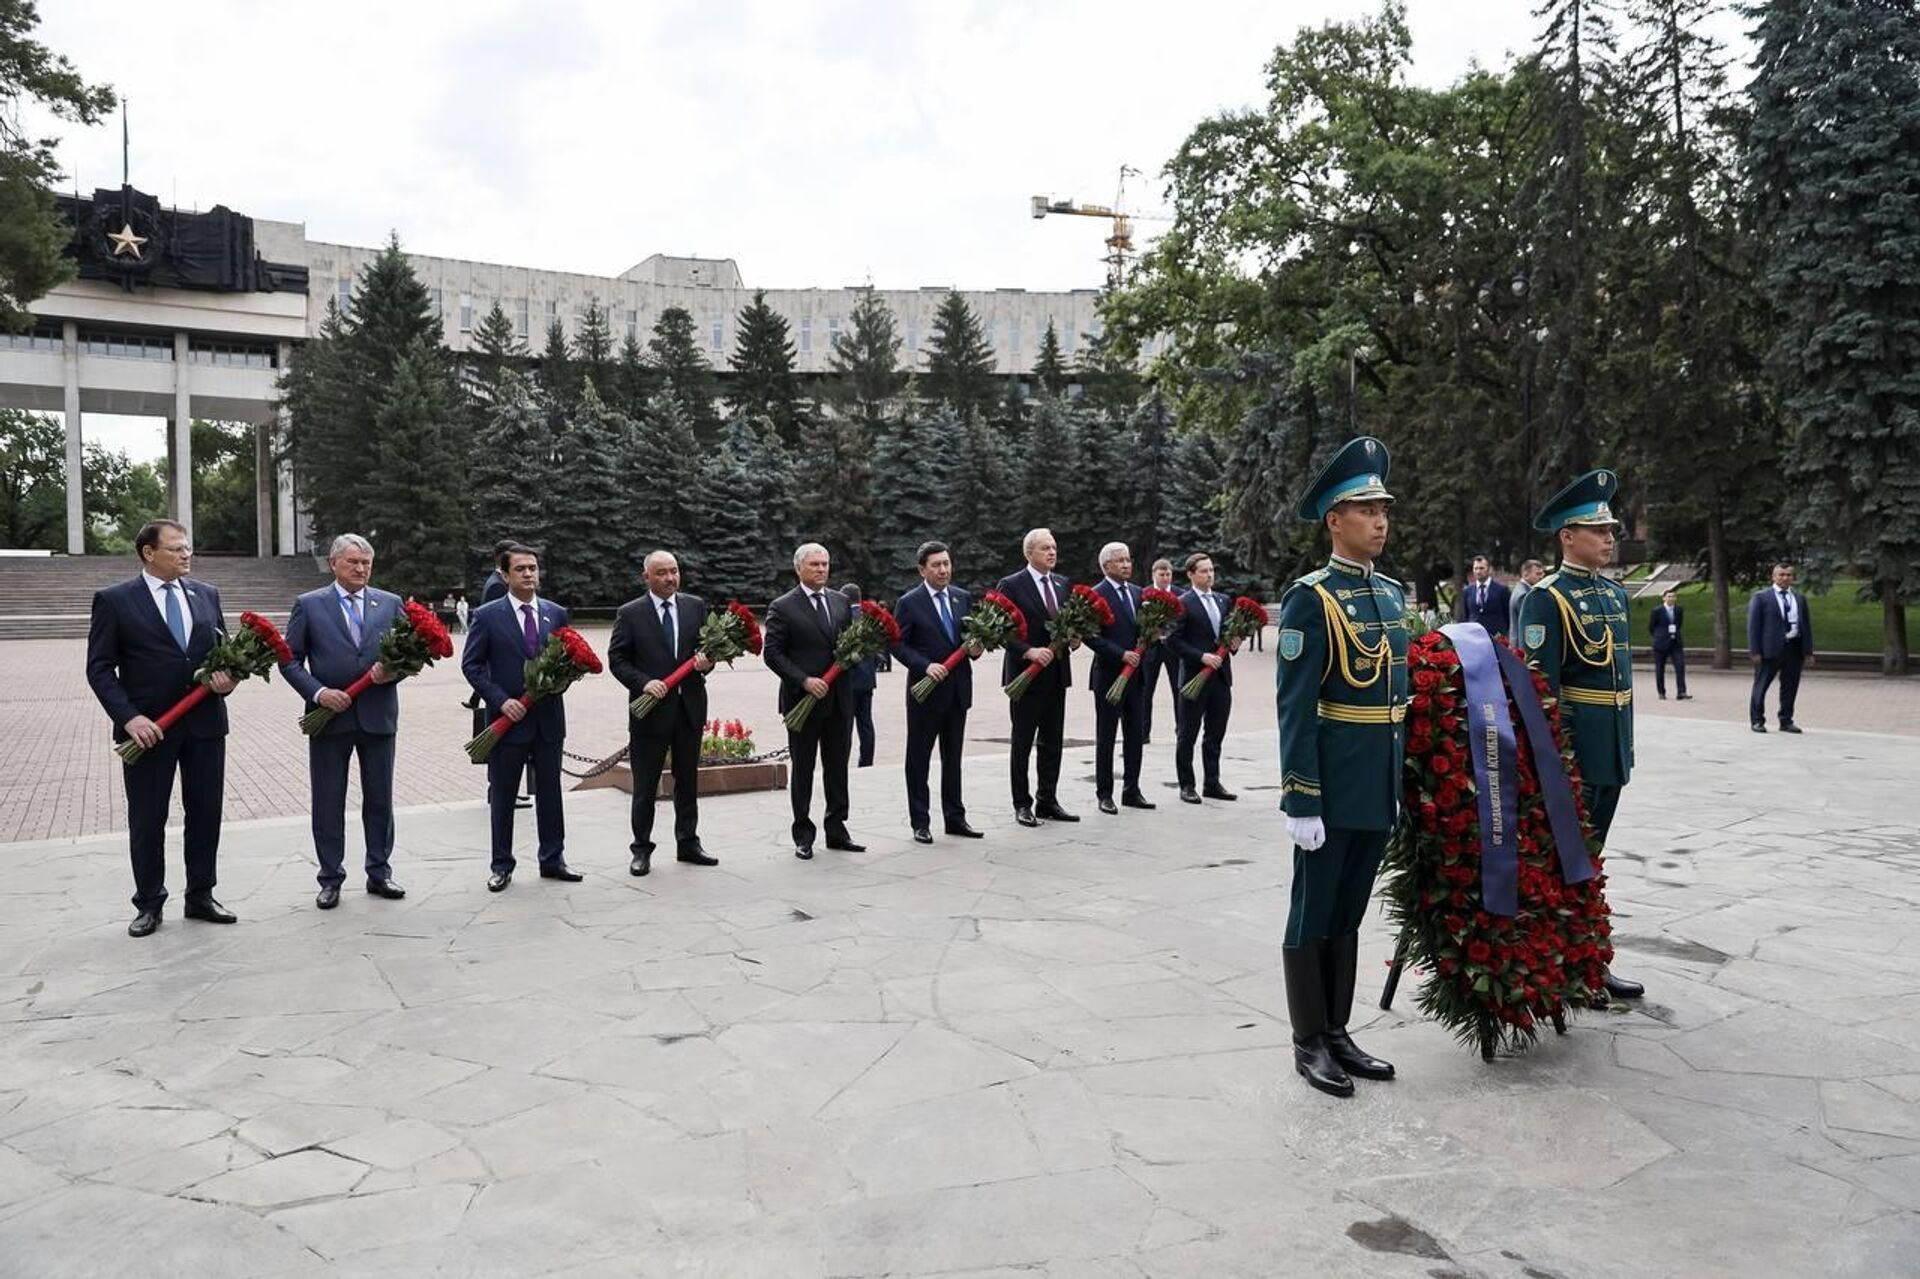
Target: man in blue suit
1040, 717
145, 640
507, 634
1780, 641
1485, 599
335, 637
930, 616
1112, 654
1194, 641
1667, 626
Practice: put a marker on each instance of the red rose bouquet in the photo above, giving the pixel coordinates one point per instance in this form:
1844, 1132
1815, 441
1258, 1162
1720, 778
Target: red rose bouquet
1159, 610
561, 662
1079, 618
255, 649
723, 636
871, 632
987, 624
1490, 978
1244, 619
416, 640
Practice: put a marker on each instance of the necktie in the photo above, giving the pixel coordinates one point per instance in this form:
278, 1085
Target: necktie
820, 607
1483, 595
353, 618
666, 624
1786, 611
946, 616
529, 630
1126, 600
1213, 614
1046, 592
176, 621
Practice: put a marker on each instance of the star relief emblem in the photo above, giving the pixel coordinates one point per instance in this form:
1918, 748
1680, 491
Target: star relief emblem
125, 243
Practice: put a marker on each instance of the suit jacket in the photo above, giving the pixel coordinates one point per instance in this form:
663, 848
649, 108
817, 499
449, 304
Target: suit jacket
1517, 597
1113, 642
796, 647
1767, 628
924, 642
136, 667
1195, 636
325, 656
1021, 589
638, 653
495, 663
1496, 614
1658, 626
493, 588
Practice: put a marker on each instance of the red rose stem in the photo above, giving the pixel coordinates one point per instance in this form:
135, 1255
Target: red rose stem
197, 695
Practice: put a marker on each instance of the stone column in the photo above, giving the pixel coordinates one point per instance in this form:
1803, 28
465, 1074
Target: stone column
182, 435
263, 493
76, 463
283, 474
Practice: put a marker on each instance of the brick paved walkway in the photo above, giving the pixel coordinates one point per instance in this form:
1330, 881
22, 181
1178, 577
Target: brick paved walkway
62, 780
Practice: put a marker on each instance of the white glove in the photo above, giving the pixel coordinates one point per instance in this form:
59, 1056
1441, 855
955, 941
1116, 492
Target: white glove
1308, 832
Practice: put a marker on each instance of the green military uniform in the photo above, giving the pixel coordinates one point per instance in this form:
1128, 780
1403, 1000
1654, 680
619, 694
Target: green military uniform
1575, 630
1340, 687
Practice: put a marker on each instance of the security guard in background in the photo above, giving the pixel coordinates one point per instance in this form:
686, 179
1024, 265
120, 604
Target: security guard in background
1575, 630
1341, 689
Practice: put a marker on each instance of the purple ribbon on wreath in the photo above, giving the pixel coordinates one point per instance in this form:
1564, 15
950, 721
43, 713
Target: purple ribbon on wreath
1495, 768
1576, 867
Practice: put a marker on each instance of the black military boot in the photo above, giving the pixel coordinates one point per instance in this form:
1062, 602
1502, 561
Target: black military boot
1307, 1010
1341, 964
1622, 988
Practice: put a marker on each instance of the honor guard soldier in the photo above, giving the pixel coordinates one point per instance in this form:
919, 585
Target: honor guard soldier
1575, 630
1341, 689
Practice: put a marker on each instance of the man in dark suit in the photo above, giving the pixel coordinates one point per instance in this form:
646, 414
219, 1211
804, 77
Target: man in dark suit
335, 637
490, 590
861, 681
1485, 599
144, 642
508, 633
652, 636
1112, 654
1194, 641
1669, 645
802, 628
930, 617
1159, 659
1780, 641
1040, 717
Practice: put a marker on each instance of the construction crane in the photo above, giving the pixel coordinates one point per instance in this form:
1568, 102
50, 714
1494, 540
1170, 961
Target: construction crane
1120, 239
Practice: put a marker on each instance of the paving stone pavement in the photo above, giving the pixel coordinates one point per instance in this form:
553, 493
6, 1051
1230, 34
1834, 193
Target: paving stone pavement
1049, 1053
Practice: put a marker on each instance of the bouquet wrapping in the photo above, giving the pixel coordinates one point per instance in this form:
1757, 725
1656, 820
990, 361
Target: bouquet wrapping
989, 624
1159, 611
255, 649
416, 640
1080, 617
724, 636
1244, 619
871, 632
562, 661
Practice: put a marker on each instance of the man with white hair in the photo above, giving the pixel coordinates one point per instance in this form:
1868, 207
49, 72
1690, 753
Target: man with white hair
1113, 655
1040, 717
802, 628
335, 636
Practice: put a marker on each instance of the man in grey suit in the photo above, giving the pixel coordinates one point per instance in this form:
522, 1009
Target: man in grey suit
335, 637
1530, 574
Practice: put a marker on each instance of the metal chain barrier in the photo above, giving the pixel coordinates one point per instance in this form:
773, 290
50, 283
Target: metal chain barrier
597, 766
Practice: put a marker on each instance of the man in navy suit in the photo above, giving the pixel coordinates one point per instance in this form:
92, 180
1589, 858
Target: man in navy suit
145, 640
1159, 660
492, 589
1780, 641
1112, 654
1194, 641
1669, 645
1039, 717
652, 636
1485, 599
802, 628
930, 617
507, 634
335, 637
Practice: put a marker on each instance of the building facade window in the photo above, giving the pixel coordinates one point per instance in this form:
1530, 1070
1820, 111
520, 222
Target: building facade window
1013, 335
466, 312
343, 297
833, 332
806, 334
43, 339
433, 302
233, 355
520, 317
633, 325
126, 346
719, 335
913, 337
553, 312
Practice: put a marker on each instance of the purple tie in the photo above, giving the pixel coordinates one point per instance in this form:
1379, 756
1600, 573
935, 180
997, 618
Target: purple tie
1053, 605
528, 630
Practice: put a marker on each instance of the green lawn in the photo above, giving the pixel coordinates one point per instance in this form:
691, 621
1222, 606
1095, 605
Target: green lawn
1841, 624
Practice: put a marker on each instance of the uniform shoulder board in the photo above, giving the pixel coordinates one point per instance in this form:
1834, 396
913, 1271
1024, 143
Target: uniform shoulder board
1317, 576
1396, 584
1548, 580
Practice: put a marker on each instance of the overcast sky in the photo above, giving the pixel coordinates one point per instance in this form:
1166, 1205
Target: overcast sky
818, 144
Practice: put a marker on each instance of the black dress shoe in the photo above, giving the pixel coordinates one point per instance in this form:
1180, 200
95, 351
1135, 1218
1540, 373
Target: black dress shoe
1134, 799
561, 872
1107, 806
696, 856
1759, 728
144, 923
208, 911
1621, 988
845, 845
1216, 791
642, 863
965, 831
1054, 813
1188, 795
328, 898
1663, 697
1789, 728
921, 835
1024, 815
1684, 697
498, 881
386, 888
803, 851
522, 801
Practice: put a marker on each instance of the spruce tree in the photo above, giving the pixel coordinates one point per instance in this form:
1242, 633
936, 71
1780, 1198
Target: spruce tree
911, 475
982, 501
328, 408
674, 356
764, 385
512, 457
593, 352
497, 351
769, 501
416, 484
1149, 469
959, 371
1050, 366
868, 380
634, 382
1834, 163
590, 506
735, 560
1053, 494
1192, 520
559, 376
666, 466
